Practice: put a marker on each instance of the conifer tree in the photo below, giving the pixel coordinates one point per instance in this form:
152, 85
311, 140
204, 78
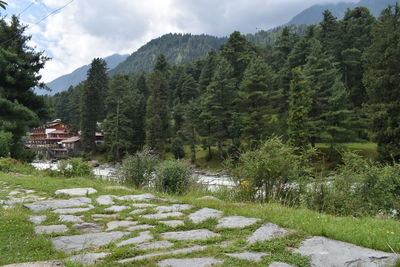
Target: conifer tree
92, 103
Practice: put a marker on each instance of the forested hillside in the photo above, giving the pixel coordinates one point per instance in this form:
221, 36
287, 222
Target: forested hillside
323, 84
313, 14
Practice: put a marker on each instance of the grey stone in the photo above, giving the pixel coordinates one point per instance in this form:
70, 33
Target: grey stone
205, 214
280, 264
37, 219
143, 205
72, 210
142, 237
88, 258
236, 222
88, 227
172, 208
58, 204
116, 224
173, 252
160, 216
208, 198
105, 216
70, 218
173, 223
154, 245
140, 227
142, 197
266, 232
117, 187
28, 191
250, 256
116, 208
73, 243
76, 192
13, 193
138, 211
50, 229
327, 252
199, 234
106, 199
192, 262
37, 264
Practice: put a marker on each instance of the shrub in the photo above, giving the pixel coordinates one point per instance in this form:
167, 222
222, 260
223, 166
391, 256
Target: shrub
74, 168
137, 170
267, 172
5, 143
12, 165
172, 177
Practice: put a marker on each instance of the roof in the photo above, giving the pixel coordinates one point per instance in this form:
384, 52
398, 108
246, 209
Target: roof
72, 139
58, 132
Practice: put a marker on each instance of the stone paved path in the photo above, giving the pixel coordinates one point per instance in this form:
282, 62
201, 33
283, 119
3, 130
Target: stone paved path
90, 227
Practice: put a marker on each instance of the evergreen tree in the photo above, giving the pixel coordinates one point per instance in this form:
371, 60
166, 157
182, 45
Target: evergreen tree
382, 81
207, 73
92, 101
329, 34
300, 102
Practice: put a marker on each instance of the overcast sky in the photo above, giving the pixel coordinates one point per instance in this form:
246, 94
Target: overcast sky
98, 28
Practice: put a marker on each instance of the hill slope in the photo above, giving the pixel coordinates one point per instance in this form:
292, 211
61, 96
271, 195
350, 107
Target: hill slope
77, 76
177, 48
313, 14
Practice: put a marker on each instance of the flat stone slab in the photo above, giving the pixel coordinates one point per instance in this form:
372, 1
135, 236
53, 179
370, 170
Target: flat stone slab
172, 208
327, 252
88, 258
266, 232
116, 208
37, 219
201, 234
138, 211
140, 227
154, 245
173, 252
116, 224
70, 218
173, 223
142, 197
142, 237
105, 216
50, 229
106, 199
205, 214
88, 227
236, 222
38, 264
143, 205
280, 264
160, 216
76, 192
58, 204
192, 262
73, 243
72, 210
250, 256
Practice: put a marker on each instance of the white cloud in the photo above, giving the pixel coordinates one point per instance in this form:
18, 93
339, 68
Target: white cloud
92, 28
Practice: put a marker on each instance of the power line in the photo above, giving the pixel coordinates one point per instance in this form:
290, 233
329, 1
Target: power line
42, 19
25, 9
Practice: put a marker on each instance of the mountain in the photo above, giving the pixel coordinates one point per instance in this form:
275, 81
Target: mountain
79, 75
313, 15
177, 48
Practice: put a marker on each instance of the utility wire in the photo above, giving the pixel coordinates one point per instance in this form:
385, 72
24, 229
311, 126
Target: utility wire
25, 9
42, 19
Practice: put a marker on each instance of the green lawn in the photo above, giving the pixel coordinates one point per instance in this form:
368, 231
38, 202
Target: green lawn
18, 243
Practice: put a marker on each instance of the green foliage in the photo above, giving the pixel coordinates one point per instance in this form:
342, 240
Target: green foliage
75, 167
5, 143
177, 148
269, 169
137, 170
12, 165
172, 177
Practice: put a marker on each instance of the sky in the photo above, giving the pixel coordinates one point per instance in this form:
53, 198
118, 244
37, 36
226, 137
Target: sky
86, 29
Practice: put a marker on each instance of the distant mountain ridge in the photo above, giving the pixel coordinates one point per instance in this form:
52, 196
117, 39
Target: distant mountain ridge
79, 75
313, 14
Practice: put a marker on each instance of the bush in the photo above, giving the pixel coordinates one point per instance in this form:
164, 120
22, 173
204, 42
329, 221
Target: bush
172, 177
137, 170
74, 168
5, 143
267, 172
12, 165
